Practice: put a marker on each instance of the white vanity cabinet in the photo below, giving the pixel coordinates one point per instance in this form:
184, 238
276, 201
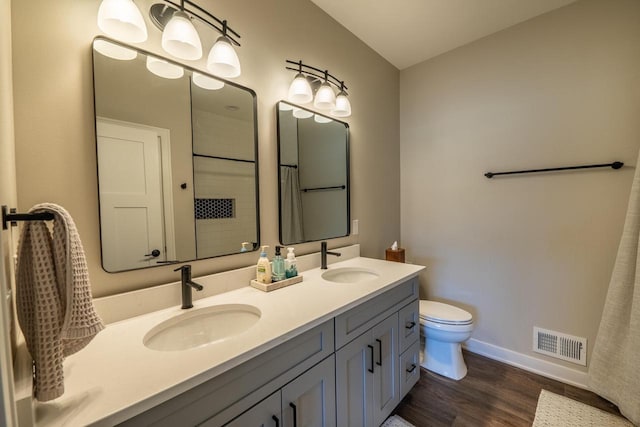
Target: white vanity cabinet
368, 359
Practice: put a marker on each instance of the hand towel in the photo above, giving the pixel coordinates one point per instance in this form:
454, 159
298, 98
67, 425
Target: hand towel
53, 297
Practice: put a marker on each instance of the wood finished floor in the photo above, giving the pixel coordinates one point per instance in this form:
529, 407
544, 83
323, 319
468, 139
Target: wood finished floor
492, 394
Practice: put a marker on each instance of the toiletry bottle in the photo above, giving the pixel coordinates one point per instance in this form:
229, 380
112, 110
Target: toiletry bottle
263, 269
290, 268
244, 247
278, 266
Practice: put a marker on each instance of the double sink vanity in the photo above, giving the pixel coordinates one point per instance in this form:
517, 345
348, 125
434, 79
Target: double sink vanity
340, 348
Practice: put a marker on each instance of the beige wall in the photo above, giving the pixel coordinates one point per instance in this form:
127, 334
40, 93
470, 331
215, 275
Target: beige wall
560, 89
55, 142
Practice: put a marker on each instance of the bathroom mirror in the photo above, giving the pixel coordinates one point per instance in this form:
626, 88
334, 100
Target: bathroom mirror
313, 172
177, 161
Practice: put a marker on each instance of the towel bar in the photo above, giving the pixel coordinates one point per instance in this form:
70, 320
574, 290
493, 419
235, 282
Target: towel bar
10, 215
614, 165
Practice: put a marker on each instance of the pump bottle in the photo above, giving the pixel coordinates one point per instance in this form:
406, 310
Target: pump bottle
263, 268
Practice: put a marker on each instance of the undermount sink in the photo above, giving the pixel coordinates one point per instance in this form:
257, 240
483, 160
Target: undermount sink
199, 327
349, 275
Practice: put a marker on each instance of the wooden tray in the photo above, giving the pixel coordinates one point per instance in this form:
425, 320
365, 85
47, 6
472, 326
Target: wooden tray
268, 287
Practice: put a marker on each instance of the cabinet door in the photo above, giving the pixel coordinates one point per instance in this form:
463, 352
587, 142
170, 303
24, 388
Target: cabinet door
354, 382
386, 385
264, 414
310, 399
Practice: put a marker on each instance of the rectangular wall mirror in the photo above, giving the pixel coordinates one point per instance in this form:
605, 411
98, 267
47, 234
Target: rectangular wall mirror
313, 171
177, 161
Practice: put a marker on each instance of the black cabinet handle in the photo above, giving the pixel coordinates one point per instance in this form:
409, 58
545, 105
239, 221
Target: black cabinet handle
409, 325
379, 363
295, 414
413, 368
371, 348
277, 420
154, 253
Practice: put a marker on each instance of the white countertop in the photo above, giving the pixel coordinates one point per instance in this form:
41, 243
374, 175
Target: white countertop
116, 377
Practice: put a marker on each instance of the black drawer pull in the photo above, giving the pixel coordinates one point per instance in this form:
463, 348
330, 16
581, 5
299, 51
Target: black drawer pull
413, 368
277, 420
295, 414
371, 348
409, 325
379, 363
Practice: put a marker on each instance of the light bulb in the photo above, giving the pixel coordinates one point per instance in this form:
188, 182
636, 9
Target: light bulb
325, 97
114, 51
206, 82
164, 69
343, 106
322, 119
223, 60
121, 19
181, 39
299, 113
300, 90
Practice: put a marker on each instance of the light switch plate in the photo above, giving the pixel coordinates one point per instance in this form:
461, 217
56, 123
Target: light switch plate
354, 227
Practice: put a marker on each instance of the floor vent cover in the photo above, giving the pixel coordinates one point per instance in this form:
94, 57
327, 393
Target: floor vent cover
559, 345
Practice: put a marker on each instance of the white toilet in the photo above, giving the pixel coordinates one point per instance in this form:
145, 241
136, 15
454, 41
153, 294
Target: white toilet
444, 328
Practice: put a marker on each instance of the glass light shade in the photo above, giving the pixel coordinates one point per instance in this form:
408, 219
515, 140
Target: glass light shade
299, 113
181, 39
322, 119
343, 106
114, 51
223, 60
206, 82
164, 69
325, 97
121, 19
300, 90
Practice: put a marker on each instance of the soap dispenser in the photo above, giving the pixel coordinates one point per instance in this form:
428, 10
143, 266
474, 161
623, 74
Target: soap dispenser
278, 266
263, 269
290, 268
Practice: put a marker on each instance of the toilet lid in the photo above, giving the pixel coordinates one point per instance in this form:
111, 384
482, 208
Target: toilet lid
444, 313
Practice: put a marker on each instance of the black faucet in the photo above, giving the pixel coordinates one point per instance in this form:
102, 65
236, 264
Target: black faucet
324, 253
187, 284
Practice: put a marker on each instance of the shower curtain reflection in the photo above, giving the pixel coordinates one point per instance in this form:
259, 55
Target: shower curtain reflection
291, 205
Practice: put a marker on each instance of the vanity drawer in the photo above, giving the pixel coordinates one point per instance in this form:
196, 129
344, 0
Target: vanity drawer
358, 320
409, 368
409, 327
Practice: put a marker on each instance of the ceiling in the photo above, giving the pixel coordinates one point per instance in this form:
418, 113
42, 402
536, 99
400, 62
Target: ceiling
407, 32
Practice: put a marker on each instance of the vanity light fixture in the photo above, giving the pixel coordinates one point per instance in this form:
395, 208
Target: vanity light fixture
180, 38
343, 106
121, 19
301, 92
325, 96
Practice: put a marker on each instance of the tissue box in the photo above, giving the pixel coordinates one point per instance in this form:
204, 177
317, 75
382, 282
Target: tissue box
396, 255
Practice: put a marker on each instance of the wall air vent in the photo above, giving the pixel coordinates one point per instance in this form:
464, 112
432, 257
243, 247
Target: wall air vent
559, 345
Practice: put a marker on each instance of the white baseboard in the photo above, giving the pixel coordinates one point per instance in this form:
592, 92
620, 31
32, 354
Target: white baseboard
528, 363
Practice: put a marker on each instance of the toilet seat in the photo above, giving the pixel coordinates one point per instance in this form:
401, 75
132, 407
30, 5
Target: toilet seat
445, 314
